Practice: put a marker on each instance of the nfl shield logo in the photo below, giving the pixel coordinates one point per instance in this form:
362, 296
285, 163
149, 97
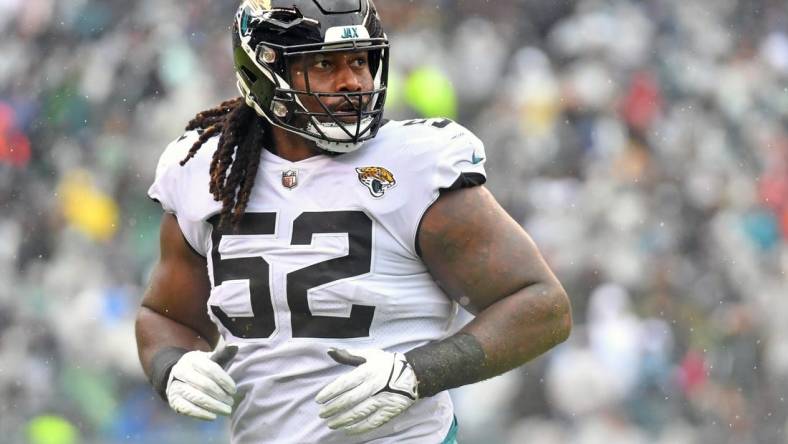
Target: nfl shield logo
290, 179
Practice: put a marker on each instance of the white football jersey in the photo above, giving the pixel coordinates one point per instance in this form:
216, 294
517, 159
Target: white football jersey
325, 256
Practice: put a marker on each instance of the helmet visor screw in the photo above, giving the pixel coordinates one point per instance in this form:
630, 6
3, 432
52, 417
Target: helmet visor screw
268, 55
279, 109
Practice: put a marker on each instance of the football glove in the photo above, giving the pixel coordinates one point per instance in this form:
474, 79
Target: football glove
199, 387
382, 386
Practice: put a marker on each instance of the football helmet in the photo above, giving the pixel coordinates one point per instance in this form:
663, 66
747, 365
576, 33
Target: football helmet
270, 36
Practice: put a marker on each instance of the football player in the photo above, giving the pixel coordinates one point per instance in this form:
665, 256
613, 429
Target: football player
331, 249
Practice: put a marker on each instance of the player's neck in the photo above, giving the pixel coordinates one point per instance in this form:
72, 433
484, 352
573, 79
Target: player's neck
291, 146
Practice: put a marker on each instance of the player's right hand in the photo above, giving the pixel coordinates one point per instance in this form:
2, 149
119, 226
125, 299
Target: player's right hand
199, 387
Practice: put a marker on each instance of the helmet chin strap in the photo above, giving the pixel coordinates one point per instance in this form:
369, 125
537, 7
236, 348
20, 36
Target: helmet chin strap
335, 132
338, 147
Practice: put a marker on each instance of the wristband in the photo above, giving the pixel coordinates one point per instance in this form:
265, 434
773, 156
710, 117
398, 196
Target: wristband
160, 367
452, 362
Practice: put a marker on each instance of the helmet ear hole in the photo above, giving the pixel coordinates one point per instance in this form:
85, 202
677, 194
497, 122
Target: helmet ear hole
249, 75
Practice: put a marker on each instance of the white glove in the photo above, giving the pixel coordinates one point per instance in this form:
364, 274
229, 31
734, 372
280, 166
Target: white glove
199, 387
380, 388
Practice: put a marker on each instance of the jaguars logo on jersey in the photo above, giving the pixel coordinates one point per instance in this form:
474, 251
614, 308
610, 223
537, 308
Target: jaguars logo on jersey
376, 179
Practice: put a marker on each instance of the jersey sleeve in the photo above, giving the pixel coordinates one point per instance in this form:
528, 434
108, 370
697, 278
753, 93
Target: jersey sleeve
456, 160
461, 162
172, 186
164, 189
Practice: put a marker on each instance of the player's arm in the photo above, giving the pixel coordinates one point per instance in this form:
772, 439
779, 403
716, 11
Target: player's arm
172, 322
484, 260
173, 307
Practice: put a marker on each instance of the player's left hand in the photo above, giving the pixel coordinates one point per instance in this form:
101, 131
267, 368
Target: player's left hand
382, 386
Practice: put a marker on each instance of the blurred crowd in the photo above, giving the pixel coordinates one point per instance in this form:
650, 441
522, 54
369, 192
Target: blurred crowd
642, 144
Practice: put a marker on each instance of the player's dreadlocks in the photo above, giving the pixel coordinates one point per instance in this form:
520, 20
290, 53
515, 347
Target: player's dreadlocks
242, 135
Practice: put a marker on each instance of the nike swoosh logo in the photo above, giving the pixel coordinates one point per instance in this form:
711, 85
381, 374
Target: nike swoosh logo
476, 159
402, 370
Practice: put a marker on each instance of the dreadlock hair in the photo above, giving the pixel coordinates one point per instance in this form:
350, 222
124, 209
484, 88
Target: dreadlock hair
243, 135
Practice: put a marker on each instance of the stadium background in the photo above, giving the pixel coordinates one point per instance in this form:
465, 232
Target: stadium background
643, 144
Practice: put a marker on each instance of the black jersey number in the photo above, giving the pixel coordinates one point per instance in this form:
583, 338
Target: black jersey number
358, 261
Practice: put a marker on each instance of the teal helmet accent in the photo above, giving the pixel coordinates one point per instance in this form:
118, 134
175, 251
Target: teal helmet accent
269, 35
